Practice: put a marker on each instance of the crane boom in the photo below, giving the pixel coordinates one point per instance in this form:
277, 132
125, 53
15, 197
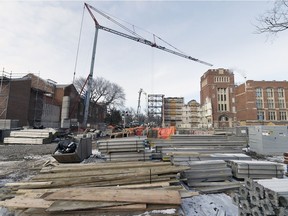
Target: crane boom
152, 44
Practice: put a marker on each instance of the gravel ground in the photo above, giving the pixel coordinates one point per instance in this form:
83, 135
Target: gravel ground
20, 152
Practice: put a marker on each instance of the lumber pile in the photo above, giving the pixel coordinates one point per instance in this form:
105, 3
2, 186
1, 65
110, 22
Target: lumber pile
125, 149
30, 136
98, 189
256, 169
263, 197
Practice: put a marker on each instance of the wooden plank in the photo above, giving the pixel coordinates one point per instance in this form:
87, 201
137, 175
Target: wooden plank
99, 166
28, 184
101, 174
60, 205
26, 202
116, 195
130, 207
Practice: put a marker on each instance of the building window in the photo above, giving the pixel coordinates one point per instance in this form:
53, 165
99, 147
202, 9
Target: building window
221, 79
259, 104
282, 115
271, 115
281, 103
258, 92
270, 103
260, 115
269, 92
222, 99
280, 92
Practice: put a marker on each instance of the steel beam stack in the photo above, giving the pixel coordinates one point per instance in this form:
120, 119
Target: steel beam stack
263, 197
256, 169
124, 149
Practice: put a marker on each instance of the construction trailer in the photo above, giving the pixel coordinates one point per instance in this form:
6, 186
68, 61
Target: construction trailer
268, 140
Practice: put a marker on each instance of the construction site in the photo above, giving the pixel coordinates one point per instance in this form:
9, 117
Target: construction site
226, 155
126, 174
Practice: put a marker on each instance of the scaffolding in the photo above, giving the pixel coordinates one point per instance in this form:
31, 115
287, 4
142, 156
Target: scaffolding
155, 108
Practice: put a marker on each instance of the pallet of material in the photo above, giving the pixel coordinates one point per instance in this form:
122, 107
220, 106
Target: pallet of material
118, 145
25, 140
206, 171
180, 158
29, 136
256, 169
263, 197
33, 134
200, 149
129, 156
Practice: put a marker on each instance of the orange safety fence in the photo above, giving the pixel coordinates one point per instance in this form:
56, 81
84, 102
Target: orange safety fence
165, 133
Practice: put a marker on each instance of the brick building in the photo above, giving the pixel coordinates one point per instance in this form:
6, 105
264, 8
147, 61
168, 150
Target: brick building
14, 99
33, 101
217, 87
262, 102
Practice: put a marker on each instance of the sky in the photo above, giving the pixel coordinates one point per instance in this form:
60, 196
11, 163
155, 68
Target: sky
43, 37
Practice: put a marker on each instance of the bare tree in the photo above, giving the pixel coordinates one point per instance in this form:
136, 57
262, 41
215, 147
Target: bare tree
103, 91
274, 20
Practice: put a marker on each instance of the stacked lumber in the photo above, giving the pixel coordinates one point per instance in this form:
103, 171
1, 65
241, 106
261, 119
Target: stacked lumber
263, 197
29, 136
124, 149
256, 169
98, 189
94, 201
181, 158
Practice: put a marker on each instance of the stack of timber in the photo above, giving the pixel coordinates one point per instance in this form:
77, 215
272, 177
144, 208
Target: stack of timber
181, 158
256, 169
204, 144
205, 176
263, 197
98, 189
30, 136
125, 149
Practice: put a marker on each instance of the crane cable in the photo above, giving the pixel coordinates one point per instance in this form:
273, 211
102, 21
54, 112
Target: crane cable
116, 22
109, 17
78, 46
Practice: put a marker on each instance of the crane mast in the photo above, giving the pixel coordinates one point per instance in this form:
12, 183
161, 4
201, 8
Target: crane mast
139, 102
137, 39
